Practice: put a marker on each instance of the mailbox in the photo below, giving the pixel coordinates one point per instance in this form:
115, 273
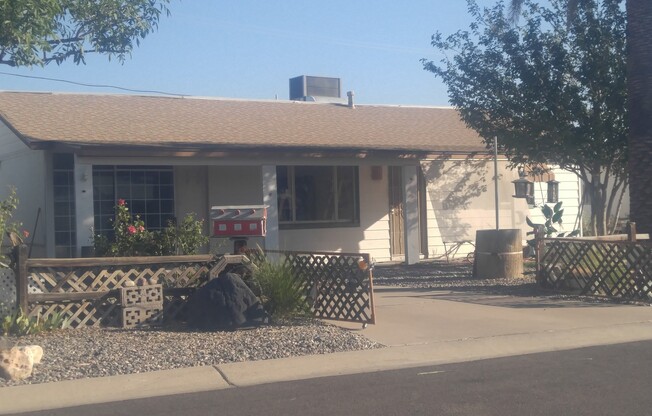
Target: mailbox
239, 221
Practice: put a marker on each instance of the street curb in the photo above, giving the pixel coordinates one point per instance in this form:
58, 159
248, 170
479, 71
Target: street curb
27, 398
69, 393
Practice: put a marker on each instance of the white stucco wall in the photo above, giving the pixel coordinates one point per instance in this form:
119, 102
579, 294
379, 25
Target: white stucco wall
460, 201
569, 195
25, 169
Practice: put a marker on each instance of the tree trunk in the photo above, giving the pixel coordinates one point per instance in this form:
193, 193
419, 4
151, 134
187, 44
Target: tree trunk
639, 90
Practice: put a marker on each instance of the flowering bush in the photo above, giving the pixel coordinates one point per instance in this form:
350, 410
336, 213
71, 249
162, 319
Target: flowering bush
9, 229
131, 238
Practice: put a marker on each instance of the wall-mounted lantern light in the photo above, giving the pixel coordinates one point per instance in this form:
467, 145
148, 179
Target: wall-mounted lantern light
553, 191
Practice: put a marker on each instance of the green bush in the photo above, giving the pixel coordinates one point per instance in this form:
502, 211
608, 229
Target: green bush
8, 228
20, 324
131, 238
281, 295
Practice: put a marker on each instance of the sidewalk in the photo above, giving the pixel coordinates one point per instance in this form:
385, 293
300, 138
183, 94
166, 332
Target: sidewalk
419, 328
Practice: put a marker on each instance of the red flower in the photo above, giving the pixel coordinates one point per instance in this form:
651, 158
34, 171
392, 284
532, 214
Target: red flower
131, 229
25, 233
121, 202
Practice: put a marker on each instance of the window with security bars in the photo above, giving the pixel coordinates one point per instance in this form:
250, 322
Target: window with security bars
147, 190
317, 196
63, 185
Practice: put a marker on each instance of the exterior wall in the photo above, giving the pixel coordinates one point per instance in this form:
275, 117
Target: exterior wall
460, 201
190, 193
569, 194
26, 170
371, 236
233, 185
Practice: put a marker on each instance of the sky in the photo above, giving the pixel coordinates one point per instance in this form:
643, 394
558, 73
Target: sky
249, 49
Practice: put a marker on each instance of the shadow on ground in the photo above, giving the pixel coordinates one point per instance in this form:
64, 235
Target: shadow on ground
454, 282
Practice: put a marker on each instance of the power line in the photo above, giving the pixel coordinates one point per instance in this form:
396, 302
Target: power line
94, 85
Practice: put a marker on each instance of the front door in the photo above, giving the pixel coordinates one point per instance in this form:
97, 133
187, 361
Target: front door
396, 218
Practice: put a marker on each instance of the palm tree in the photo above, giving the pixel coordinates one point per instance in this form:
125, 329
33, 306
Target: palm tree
639, 90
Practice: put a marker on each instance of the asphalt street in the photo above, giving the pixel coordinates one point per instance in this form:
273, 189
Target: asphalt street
605, 380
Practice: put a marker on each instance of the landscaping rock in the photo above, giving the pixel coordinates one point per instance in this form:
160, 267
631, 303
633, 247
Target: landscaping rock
225, 303
15, 364
34, 352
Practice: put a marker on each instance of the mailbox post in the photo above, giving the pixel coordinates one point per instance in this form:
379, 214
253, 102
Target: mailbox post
238, 223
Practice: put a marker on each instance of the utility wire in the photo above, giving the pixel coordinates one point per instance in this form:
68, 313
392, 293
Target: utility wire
93, 85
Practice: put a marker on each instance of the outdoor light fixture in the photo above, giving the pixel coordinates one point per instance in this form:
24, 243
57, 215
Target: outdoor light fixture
523, 188
553, 191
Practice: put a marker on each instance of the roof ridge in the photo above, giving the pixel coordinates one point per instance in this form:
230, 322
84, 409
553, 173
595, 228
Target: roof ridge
217, 98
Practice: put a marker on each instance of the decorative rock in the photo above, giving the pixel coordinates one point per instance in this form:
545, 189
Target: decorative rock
128, 283
225, 303
15, 364
34, 352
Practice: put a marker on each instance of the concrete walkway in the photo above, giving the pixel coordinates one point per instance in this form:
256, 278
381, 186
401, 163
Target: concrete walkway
419, 327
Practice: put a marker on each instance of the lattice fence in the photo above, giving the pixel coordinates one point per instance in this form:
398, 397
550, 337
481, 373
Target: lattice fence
609, 268
338, 286
87, 291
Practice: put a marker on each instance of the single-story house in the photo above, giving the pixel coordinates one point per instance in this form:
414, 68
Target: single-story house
398, 182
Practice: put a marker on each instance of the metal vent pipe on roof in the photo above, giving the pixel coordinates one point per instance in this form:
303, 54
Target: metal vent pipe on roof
351, 94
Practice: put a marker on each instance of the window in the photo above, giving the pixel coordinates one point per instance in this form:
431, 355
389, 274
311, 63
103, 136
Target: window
147, 190
317, 196
63, 182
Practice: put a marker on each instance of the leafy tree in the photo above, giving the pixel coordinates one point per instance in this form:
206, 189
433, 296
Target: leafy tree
552, 93
38, 32
639, 91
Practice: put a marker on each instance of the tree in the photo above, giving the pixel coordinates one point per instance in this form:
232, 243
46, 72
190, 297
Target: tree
552, 93
38, 32
639, 91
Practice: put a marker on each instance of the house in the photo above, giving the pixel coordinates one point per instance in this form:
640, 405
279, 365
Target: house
398, 182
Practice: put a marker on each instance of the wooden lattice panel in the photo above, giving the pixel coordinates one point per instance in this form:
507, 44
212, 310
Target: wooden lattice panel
99, 312
335, 284
87, 292
608, 268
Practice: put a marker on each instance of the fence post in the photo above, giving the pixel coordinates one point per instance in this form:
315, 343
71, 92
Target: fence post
631, 231
20, 253
539, 235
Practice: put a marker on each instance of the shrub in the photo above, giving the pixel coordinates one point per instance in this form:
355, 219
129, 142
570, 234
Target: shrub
8, 228
184, 238
281, 295
20, 324
131, 238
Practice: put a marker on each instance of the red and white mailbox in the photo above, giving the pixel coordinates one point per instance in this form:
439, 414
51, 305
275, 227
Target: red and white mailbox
239, 221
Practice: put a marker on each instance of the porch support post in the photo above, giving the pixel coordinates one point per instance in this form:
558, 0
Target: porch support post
83, 204
270, 199
411, 214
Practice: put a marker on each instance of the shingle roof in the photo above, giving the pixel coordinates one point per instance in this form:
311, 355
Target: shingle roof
94, 119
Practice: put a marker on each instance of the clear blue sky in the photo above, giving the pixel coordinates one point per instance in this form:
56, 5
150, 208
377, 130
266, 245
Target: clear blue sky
250, 48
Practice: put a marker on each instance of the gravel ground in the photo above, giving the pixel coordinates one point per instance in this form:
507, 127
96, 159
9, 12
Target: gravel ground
92, 352
97, 352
